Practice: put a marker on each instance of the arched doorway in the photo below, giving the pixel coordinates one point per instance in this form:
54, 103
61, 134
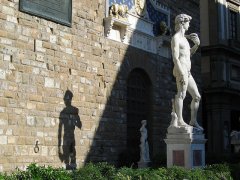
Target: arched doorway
138, 109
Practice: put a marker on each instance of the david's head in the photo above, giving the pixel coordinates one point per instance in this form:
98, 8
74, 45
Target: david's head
182, 21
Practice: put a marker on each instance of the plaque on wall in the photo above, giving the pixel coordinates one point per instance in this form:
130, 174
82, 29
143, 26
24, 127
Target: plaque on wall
59, 11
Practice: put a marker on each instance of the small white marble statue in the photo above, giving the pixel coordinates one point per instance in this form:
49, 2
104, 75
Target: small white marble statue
144, 148
181, 52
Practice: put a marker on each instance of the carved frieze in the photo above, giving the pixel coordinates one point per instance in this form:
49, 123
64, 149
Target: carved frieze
235, 2
233, 7
118, 11
133, 22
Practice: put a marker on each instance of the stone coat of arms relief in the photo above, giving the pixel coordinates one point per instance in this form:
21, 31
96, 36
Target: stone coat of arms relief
140, 7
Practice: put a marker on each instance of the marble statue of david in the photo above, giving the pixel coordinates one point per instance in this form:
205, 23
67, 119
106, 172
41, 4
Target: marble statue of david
181, 53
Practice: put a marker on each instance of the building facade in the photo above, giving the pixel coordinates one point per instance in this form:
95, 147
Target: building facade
75, 90
220, 30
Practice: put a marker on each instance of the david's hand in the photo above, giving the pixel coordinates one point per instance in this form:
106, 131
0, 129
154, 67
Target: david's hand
194, 38
182, 81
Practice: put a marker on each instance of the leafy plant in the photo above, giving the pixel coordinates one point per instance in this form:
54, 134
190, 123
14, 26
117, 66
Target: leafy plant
89, 172
104, 171
178, 173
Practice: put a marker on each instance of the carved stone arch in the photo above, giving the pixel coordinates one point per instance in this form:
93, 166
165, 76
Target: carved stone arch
145, 65
139, 95
138, 65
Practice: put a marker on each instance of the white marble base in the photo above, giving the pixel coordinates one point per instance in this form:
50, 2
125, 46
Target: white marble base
185, 147
142, 164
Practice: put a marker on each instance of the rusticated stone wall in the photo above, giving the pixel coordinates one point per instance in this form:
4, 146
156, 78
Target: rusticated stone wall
41, 60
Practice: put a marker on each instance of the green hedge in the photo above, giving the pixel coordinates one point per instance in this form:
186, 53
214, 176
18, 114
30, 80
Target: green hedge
104, 171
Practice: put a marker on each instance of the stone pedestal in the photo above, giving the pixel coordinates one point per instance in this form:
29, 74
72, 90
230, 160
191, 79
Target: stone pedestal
185, 147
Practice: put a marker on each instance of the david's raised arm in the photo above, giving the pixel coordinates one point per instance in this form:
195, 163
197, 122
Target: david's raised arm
195, 39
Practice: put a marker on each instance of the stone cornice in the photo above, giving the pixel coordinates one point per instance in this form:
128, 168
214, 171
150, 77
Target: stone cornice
237, 2
225, 90
232, 49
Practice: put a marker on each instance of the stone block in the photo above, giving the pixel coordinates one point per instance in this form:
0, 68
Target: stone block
25, 30
3, 122
40, 134
97, 51
31, 105
69, 51
2, 74
49, 82
9, 132
35, 70
23, 38
23, 150
11, 139
3, 139
39, 46
21, 139
52, 151
40, 57
8, 26
8, 10
31, 121
10, 94
44, 150
9, 151
12, 19
53, 39
6, 41
47, 45
37, 98
49, 122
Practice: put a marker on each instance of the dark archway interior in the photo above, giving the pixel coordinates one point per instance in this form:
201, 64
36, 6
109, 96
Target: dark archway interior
138, 109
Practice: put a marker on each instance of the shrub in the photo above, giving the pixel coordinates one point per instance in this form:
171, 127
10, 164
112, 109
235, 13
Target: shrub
156, 174
235, 170
124, 173
104, 171
1, 176
40, 173
218, 171
178, 173
89, 172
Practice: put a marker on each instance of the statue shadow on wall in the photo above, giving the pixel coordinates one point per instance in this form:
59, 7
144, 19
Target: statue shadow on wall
68, 120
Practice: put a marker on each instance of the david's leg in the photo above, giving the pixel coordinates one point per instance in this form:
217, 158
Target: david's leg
181, 94
179, 108
192, 88
194, 108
